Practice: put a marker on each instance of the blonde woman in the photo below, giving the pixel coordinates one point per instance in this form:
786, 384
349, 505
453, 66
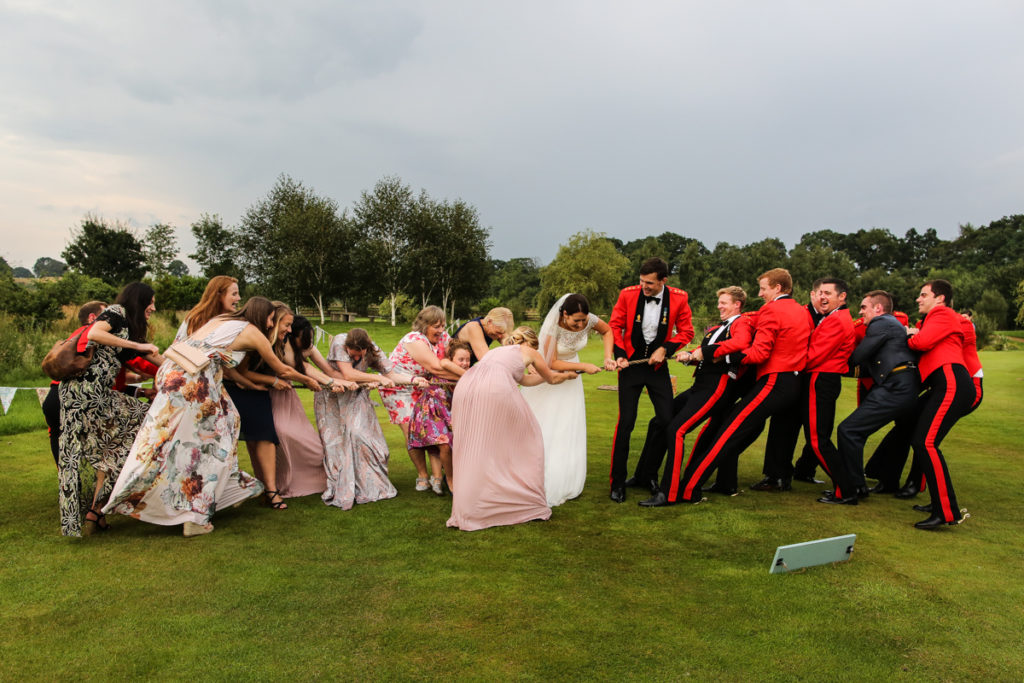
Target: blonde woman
498, 449
480, 333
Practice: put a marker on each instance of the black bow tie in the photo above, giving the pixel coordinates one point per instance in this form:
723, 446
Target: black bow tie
649, 299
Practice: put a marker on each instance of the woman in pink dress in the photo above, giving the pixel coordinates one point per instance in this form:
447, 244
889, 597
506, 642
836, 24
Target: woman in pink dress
498, 448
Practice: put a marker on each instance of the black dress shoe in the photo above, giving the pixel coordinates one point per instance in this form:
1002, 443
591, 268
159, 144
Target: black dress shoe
807, 479
724, 490
908, 491
863, 492
658, 500
772, 484
653, 486
933, 522
923, 508
881, 487
618, 494
849, 500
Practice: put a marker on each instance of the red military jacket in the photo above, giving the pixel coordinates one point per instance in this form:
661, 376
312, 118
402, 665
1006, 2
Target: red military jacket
971, 359
780, 337
832, 342
741, 335
627, 319
940, 340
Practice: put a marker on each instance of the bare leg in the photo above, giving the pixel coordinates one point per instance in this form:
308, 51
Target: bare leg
418, 457
251, 447
94, 519
446, 462
266, 455
435, 462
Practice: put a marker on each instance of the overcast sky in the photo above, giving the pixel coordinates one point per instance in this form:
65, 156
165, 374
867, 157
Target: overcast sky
724, 121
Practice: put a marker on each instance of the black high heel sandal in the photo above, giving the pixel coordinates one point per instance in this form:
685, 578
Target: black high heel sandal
280, 504
97, 524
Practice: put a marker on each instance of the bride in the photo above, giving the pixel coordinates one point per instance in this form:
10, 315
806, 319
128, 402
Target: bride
559, 408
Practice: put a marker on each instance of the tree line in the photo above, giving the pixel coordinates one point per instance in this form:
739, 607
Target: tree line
402, 250
984, 264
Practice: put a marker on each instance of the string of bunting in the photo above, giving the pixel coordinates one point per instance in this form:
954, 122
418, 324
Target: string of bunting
7, 395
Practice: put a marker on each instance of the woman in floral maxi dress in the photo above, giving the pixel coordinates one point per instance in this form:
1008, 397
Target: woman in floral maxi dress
184, 463
356, 454
98, 424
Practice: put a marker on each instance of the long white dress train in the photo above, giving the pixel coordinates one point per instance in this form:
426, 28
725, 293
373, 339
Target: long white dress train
562, 415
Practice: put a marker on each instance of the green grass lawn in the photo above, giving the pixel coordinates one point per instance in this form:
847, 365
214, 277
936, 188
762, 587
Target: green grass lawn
601, 591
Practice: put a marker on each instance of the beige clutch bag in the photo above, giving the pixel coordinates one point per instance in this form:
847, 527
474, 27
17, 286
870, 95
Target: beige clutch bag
191, 359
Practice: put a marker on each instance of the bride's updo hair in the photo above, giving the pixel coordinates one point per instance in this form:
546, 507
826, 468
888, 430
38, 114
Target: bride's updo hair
575, 303
522, 335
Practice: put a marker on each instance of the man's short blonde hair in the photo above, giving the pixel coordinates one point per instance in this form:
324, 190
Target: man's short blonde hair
737, 294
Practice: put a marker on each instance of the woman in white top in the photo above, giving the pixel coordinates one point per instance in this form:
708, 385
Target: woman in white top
183, 465
559, 408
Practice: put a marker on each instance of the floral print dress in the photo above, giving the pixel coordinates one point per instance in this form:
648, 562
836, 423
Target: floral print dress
98, 424
431, 423
184, 463
399, 401
356, 454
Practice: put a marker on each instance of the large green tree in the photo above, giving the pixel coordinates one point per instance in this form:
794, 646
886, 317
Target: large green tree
383, 220
216, 247
110, 252
448, 255
159, 248
294, 245
587, 264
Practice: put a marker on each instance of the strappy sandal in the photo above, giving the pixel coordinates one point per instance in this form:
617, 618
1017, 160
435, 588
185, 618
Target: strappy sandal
98, 523
280, 504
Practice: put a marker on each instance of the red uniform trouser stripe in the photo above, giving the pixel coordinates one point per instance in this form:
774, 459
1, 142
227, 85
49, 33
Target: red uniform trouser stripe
696, 441
690, 423
812, 422
615, 438
729, 430
932, 451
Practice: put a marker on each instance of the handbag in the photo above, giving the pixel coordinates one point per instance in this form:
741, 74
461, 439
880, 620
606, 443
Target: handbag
191, 359
64, 361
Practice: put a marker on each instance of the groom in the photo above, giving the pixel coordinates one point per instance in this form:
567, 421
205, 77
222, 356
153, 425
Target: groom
641, 323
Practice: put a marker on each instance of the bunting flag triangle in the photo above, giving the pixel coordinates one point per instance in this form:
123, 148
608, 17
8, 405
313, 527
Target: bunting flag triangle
42, 392
6, 396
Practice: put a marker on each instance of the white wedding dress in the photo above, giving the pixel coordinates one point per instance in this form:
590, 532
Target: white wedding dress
562, 415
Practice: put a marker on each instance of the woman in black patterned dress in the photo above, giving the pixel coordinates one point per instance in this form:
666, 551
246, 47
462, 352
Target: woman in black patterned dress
98, 424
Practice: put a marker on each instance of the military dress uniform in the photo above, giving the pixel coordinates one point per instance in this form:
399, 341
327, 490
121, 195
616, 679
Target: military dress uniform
779, 351
710, 395
674, 329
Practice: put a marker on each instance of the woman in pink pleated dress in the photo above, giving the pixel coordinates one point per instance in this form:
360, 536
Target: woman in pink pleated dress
498, 449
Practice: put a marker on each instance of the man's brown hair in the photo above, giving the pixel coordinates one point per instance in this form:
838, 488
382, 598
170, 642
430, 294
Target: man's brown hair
778, 277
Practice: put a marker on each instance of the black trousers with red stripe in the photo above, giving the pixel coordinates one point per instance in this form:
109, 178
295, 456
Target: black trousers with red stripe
709, 396
632, 381
771, 395
902, 442
951, 395
819, 416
